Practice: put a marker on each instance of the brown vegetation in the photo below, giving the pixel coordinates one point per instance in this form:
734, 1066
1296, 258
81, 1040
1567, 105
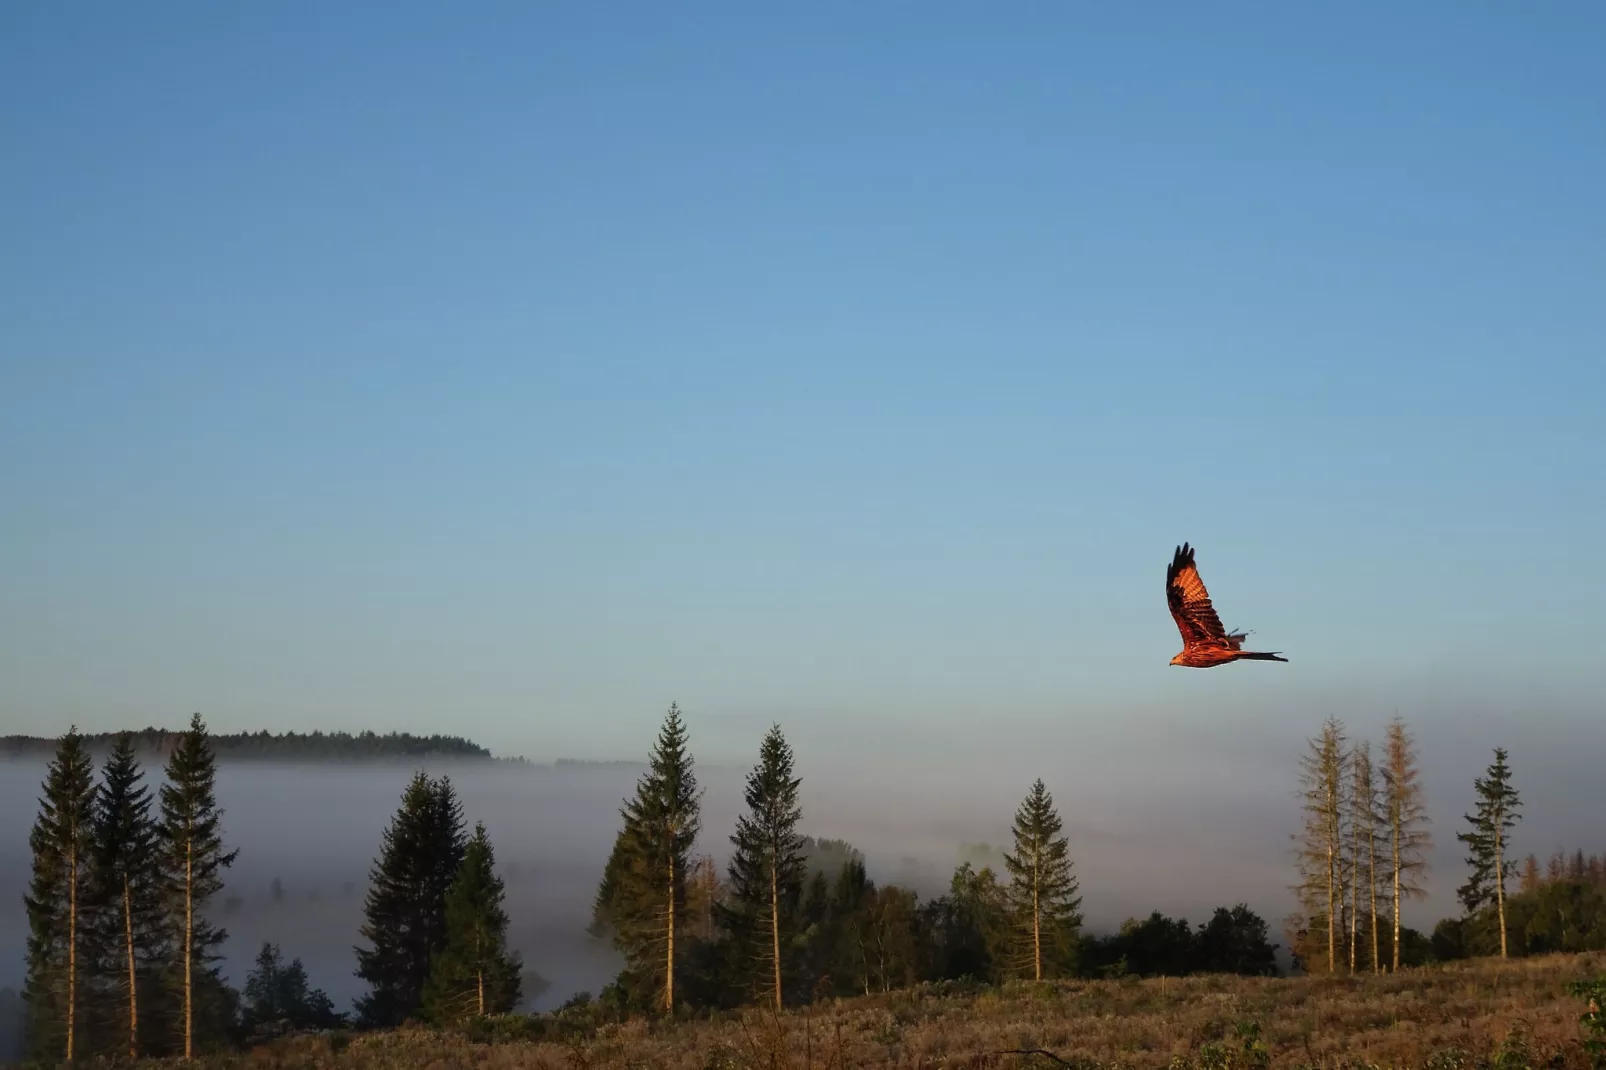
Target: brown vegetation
1459, 1015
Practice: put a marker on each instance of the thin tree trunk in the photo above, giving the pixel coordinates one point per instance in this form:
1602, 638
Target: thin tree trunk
1371, 890
189, 947
1394, 817
1332, 909
669, 960
1037, 918
72, 942
775, 928
1500, 880
482, 991
133, 976
1354, 906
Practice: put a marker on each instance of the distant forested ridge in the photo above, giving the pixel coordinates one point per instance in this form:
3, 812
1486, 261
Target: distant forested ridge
274, 746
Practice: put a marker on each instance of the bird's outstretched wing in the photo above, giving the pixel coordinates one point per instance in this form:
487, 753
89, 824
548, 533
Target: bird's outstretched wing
1190, 603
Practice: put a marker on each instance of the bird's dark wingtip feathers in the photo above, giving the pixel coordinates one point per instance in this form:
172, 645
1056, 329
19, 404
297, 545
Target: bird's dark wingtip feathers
1180, 559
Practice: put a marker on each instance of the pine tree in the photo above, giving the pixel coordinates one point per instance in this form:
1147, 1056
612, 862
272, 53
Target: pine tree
62, 843
1042, 891
642, 898
474, 974
127, 890
405, 907
191, 861
766, 871
1498, 803
1406, 819
1320, 851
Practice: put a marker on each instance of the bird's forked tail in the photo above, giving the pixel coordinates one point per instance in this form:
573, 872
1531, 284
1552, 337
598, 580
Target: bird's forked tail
1259, 655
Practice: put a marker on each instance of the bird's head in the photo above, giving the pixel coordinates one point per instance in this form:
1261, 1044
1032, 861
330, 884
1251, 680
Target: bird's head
1177, 660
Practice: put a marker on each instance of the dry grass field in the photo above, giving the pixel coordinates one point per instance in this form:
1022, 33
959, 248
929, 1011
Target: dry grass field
1472, 1014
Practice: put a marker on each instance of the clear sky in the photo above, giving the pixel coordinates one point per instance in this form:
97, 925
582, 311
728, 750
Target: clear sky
515, 369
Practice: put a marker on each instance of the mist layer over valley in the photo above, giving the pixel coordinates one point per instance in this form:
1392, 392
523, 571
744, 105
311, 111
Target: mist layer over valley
1183, 838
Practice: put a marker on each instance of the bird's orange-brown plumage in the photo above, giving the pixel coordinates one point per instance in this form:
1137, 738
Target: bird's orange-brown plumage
1204, 641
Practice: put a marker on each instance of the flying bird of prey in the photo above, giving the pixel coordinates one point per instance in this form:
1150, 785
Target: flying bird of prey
1204, 641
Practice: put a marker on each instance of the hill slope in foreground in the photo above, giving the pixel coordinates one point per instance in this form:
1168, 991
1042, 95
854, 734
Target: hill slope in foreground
1482, 1013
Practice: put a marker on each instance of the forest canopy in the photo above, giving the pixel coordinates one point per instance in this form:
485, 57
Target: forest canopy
269, 746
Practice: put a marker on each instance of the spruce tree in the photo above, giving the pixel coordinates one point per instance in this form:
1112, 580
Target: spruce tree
1498, 803
127, 892
642, 899
191, 860
474, 974
405, 906
1043, 893
766, 872
62, 843
1406, 818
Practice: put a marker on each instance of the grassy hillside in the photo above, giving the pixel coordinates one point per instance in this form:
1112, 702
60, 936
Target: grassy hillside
1469, 1014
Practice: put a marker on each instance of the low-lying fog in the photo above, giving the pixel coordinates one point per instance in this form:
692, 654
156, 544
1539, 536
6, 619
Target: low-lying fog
1141, 840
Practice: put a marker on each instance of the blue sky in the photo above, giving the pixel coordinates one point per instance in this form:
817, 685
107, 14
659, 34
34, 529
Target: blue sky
516, 370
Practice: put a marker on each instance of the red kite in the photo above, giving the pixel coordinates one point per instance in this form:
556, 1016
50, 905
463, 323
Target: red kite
1204, 641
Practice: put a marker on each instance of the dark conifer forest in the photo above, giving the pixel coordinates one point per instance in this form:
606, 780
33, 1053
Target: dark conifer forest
131, 856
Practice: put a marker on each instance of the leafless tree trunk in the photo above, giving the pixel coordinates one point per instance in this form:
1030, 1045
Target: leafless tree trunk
1407, 821
1371, 885
1320, 851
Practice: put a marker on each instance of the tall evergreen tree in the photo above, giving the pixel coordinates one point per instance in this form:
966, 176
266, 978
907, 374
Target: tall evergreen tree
766, 872
127, 892
1498, 803
405, 907
474, 973
642, 899
1320, 851
191, 861
1042, 891
1406, 818
62, 843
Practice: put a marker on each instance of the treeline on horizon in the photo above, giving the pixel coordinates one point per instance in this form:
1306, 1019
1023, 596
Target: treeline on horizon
123, 953
315, 746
